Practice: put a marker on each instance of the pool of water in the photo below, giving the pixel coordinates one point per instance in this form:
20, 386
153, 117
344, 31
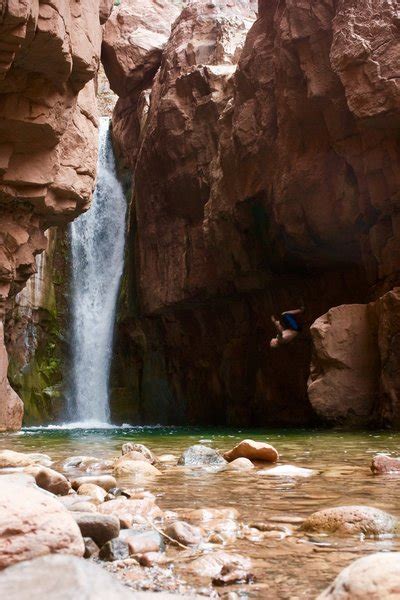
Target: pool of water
295, 566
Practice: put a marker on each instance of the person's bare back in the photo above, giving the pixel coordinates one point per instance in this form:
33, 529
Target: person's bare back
288, 328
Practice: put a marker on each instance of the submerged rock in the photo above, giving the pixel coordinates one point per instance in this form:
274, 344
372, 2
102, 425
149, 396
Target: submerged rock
50, 480
200, 456
184, 533
288, 471
215, 563
351, 519
253, 451
101, 528
374, 577
33, 524
383, 464
240, 464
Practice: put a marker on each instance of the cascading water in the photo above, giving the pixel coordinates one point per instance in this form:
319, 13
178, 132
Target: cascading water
97, 242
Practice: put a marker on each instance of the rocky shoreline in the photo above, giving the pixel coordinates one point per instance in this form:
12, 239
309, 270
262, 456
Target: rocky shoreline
67, 523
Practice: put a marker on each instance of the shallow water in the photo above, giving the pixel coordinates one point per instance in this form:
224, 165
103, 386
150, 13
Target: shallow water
296, 566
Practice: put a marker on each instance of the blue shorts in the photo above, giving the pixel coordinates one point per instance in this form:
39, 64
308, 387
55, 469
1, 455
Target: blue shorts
289, 321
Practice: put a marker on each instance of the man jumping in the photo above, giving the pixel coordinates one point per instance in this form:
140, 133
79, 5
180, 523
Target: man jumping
288, 327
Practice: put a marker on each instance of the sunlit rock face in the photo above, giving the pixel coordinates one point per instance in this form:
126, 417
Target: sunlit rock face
49, 56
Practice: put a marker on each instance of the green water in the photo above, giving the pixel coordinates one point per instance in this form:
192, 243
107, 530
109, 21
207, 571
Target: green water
295, 566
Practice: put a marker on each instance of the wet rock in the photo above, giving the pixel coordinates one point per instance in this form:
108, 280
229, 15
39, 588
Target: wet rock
240, 464
104, 481
215, 563
91, 548
50, 480
83, 507
33, 524
95, 492
374, 577
116, 549
232, 574
200, 456
383, 465
85, 464
10, 459
350, 520
61, 578
150, 559
131, 510
135, 468
253, 451
101, 528
184, 533
141, 449
143, 541
219, 523
167, 458
288, 471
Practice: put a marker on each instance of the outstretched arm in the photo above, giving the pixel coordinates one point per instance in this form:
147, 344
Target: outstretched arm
297, 311
277, 324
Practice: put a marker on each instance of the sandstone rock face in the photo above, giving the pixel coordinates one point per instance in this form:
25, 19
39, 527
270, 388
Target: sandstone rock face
34, 524
49, 57
374, 577
354, 373
272, 190
11, 407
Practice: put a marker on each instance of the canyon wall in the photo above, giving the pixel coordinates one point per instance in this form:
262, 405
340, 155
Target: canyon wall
265, 161
49, 56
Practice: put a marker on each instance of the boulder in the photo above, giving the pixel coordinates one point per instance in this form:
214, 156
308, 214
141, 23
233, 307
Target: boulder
135, 468
184, 533
34, 524
373, 577
101, 528
201, 456
63, 578
258, 451
12, 459
351, 520
141, 542
240, 464
383, 465
91, 548
131, 447
104, 481
95, 492
86, 464
50, 480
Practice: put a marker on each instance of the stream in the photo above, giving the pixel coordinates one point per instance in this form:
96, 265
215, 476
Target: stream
287, 564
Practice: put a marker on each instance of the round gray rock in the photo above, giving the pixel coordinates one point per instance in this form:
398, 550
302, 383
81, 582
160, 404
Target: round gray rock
200, 456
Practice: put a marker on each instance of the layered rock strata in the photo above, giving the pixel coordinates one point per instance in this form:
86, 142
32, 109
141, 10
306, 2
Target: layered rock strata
49, 56
265, 170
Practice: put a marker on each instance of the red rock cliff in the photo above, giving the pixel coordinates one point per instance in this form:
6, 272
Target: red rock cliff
49, 56
264, 177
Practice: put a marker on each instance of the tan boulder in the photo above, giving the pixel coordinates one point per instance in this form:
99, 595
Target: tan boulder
95, 492
130, 447
104, 481
134, 468
373, 577
348, 520
343, 383
33, 524
257, 451
50, 480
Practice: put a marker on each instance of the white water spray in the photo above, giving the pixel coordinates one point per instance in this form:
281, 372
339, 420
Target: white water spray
97, 242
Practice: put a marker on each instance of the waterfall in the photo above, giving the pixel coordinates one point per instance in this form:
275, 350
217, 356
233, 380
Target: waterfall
97, 243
